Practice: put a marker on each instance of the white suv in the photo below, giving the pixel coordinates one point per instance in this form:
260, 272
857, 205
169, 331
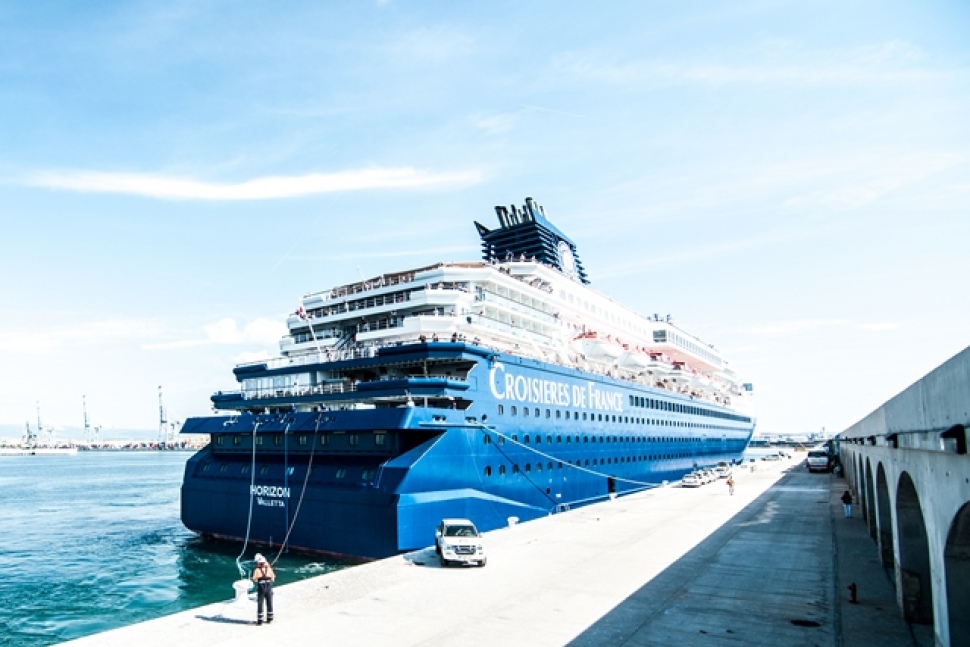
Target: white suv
458, 541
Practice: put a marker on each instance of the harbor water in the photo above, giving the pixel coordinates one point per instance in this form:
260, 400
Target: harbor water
94, 541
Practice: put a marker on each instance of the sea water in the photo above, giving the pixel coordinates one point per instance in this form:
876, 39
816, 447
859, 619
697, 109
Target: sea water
93, 541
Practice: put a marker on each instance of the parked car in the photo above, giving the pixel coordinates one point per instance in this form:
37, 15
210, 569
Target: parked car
818, 461
722, 469
693, 479
457, 541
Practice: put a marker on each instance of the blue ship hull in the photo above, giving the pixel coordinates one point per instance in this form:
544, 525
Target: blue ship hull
529, 439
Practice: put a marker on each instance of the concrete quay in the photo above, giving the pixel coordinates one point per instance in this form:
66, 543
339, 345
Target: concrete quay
769, 565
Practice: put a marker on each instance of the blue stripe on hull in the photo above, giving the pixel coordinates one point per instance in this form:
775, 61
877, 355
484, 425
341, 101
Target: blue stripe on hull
585, 436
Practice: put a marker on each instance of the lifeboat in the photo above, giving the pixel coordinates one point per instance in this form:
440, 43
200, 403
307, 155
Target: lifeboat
593, 346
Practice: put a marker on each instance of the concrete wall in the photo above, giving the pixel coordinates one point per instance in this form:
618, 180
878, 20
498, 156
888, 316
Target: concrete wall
902, 439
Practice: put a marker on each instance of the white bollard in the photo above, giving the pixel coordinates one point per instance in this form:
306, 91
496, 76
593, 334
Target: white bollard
242, 589
513, 521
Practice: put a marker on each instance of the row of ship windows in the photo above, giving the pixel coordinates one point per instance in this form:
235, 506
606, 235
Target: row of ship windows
339, 473
599, 417
367, 474
550, 465
303, 440
662, 405
527, 439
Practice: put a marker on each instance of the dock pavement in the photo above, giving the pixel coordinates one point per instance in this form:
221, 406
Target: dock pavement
768, 565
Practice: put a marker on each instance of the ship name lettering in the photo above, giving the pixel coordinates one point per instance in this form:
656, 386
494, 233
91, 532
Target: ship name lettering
507, 386
599, 399
270, 491
270, 503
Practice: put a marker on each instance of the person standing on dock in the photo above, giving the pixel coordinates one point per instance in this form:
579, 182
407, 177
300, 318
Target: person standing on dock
730, 484
264, 576
847, 504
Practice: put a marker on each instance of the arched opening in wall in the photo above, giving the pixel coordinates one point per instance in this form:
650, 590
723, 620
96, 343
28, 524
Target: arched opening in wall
956, 560
914, 554
870, 503
861, 486
884, 519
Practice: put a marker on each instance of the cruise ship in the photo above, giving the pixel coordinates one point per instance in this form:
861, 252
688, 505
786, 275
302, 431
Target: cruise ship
499, 390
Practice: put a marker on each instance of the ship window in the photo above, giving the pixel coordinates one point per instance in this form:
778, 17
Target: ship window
487, 439
558, 414
353, 440
569, 439
549, 440
528, 468
501, 440
236, 440
324, 440
206, 466
525, 411
367, 475
600, 417
263, 469
538, 439
303, 439
515, 438
341, 472
549, 466
501, 470
515, 410
277, 439
259, 440
219, 439
244, 469
380, 438
549, 413
558, 440
488, 470
526, 439
586, 463
223, 467
501, 409
537, 412
584, 415
585, 440
290, 470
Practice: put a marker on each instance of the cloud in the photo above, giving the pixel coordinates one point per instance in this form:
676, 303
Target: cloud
263, 188
79, 334
799, 327
227, 331
885, 176
892, 62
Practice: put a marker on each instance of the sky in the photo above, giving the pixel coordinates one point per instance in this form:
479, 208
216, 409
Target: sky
788, 180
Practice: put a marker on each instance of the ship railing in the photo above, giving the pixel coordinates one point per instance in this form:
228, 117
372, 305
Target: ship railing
297, 391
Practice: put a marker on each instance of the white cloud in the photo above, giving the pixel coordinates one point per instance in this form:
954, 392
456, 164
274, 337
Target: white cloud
79, 334
892, 62
799, 327
227, 331
263, 188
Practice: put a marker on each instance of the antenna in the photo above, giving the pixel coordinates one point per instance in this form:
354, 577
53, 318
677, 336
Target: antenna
162, 432
87, 427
